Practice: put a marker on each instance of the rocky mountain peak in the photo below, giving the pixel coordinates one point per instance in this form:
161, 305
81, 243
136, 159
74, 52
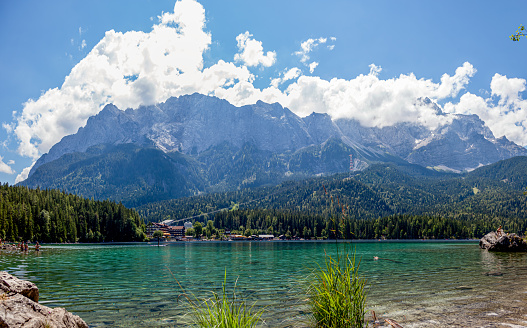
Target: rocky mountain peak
192, 124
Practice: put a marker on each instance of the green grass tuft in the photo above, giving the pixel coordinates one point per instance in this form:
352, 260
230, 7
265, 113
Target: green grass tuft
223, 311
337, 296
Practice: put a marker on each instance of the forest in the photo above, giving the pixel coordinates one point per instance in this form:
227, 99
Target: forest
53, 216
379, 191
383, 201
296, 225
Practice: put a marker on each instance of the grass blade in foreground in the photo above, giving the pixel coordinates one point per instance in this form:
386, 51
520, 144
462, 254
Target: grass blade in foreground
337, 296
223, 311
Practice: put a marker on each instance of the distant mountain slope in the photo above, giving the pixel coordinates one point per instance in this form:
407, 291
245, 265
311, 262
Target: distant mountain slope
198, 144
125, 173
512, 172
378, 191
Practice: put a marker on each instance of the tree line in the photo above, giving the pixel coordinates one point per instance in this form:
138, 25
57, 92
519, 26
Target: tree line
53, 216
400, 226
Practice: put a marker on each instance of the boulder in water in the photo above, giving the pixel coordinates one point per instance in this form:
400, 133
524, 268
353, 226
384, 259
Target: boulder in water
503, 242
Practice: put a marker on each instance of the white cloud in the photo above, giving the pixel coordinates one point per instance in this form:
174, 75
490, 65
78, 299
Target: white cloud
452, 85
307, 47
24, 174
8, 127
11, 162
5, 168
312, 67
291, 74
373, 101
166, 62
83, 44
507, 89
507, 117
252, 53
374, 69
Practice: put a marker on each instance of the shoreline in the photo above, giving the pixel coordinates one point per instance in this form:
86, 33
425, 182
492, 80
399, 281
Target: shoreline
350, 241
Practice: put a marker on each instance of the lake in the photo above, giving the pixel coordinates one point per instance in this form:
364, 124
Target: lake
418, 284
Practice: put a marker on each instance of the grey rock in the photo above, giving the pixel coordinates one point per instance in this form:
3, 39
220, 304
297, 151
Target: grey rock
503, 242
11, 284
17, 310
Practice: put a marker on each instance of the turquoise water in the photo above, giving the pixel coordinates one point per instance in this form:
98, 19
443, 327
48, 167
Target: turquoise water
419, 284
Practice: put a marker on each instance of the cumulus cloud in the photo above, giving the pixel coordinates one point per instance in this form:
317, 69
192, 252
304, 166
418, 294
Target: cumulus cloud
5, 168
312, 67
291, 74
24, 174
142, 68
506, 117
252, 53
507, 89
307, 46
374, 69
127, 69
373, 101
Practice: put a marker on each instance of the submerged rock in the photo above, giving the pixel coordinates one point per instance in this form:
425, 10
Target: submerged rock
19, 307
504, 242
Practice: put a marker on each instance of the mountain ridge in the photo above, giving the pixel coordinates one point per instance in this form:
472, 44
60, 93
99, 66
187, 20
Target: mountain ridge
227, 147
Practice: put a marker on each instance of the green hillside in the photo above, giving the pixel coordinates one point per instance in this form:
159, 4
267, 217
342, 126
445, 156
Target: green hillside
379, 191
57, 217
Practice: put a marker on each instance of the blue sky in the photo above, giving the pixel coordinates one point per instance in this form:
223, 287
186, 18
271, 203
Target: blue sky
412, 44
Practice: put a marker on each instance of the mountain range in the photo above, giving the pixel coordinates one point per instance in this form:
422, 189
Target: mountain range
197, 144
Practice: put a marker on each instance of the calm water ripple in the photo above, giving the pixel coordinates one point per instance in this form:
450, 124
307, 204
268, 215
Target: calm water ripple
419, 284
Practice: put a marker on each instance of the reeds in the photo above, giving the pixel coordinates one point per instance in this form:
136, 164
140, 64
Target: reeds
337, 296
223, 311
336, 291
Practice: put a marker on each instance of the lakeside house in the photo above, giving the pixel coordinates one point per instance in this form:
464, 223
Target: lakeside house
266, 237
169, 232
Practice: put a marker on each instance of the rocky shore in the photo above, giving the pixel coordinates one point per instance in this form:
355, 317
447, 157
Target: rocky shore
19, 307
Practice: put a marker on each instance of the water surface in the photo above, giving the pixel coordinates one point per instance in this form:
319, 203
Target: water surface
419, 284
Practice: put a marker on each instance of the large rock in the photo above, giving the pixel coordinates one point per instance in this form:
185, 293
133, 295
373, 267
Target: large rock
10, 284
19, 310
503, 243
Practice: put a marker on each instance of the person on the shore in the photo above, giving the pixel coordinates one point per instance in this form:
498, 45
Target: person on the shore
499, 231
26, 247
37, 247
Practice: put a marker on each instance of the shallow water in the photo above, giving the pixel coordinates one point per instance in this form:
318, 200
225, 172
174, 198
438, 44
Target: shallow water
419, 284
